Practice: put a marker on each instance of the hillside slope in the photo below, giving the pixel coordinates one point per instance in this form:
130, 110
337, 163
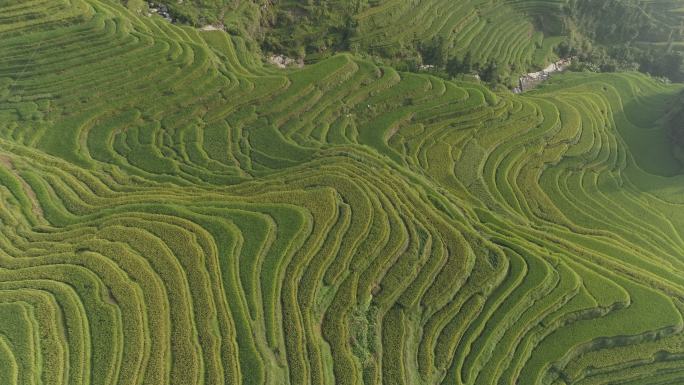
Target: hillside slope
174, 212
499, 39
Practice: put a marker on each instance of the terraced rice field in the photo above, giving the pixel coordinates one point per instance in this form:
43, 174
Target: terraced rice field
500, 30
173, 212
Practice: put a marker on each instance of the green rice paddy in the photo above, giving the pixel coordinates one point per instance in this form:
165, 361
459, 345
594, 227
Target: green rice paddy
175, 212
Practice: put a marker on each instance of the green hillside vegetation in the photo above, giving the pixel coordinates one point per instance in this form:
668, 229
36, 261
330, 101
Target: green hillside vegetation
174, 211
498, 39
676, 129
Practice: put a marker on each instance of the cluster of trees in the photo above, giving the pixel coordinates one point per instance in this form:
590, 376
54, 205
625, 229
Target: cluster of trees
435, 53
614, 35
195, 12
294, 28
677, 131
616, 21
301, 29
455, 65
663, 63
659, 62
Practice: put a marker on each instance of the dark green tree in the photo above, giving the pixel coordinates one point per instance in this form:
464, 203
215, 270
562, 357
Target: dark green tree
454, 67
467, 64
